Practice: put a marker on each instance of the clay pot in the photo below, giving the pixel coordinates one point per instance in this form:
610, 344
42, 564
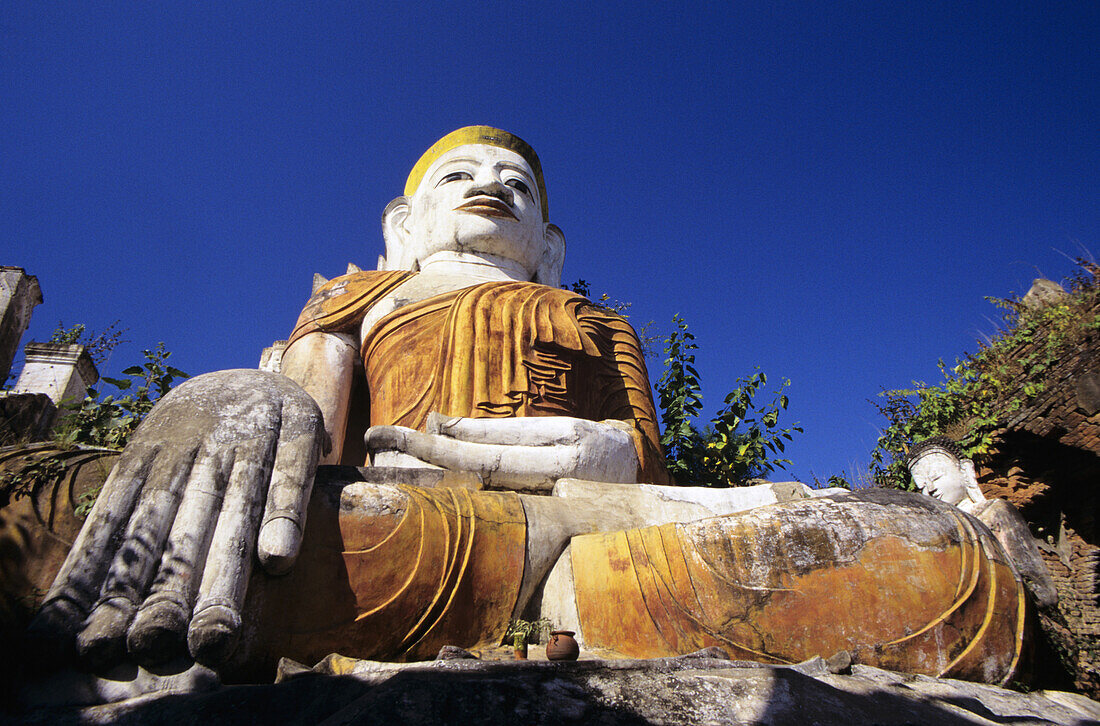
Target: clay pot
562, 646
519, 646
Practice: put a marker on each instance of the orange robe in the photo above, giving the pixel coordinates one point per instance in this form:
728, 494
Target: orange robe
900, 580
495, 350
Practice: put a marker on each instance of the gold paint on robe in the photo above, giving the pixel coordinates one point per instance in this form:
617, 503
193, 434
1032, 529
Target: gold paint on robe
495, 350
900, 583
397, 572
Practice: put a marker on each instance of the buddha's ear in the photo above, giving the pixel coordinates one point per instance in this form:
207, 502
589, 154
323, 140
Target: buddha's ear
972, 489
549, 270
399, 253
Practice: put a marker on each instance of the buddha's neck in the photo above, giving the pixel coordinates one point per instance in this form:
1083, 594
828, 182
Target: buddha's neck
479, 266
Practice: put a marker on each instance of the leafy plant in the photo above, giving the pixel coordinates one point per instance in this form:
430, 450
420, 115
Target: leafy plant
97, 345
740, 442
109, 421
28, 479
680, 398
531, 631
646, 335
744, 442
38, 470
981, 389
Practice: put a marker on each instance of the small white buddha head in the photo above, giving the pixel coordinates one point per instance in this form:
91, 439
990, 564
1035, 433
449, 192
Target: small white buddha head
476, 191
939, 470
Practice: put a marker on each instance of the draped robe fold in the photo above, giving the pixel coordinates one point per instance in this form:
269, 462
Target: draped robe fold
494, 350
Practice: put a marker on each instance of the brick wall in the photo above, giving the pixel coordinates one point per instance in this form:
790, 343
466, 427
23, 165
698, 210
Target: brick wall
1046, 461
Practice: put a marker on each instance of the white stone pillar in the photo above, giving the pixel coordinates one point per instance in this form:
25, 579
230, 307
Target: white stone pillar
58, 370
271, 359
19, 293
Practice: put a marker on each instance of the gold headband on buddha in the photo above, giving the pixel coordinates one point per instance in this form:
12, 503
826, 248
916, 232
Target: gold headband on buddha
479, 135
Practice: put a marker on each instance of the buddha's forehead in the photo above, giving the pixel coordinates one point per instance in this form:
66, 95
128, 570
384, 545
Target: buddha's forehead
934, 458
476, 155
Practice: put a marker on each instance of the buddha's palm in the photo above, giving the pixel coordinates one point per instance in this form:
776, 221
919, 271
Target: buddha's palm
221, 468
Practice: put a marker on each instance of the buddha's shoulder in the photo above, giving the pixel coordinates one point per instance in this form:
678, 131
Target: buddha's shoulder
340, 303
357, 284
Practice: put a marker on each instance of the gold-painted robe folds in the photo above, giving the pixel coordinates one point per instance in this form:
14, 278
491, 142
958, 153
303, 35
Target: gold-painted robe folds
391, 573
901, 581
495, 350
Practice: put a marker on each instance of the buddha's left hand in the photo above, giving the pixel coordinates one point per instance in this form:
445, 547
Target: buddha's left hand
516, 453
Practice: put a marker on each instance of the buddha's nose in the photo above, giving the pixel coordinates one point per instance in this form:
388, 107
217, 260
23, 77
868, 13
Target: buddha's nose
491, 188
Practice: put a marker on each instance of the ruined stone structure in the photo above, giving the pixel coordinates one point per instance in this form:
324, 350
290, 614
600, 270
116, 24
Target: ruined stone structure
19, 294
51, 373
1046, 462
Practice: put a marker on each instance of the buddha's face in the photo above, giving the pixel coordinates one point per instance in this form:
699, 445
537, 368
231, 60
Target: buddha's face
940, 475
481, 199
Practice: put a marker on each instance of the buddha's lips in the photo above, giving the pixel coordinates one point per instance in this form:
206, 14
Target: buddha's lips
488, 206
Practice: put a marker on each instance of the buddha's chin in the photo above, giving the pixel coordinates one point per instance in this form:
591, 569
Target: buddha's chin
493, 242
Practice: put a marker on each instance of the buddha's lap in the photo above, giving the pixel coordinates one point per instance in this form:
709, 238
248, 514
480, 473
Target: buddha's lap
899, 580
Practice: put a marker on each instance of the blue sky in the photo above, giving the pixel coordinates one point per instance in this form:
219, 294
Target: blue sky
823, 190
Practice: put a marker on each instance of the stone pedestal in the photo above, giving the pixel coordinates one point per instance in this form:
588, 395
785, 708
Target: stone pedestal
58, 370
19, 293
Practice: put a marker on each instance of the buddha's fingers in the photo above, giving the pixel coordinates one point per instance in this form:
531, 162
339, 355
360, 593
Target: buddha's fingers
159, 630
520, 431
102, 641
296, 459
77, 585
216, 623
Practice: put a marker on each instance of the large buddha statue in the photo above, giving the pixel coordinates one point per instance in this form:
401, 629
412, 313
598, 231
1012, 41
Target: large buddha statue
461, 353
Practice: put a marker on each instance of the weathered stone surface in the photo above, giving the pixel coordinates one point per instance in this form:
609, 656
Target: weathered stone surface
1011, 531
535, 384
25, 417
903, 581
687, 690
37, 530
19, 294
1044, 292
214, 441
641, 505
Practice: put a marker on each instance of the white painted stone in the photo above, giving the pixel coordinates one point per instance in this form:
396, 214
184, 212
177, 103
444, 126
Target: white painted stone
62, 372
475, 199
271, 358
559, 598
939, 474
525, 454
650, 504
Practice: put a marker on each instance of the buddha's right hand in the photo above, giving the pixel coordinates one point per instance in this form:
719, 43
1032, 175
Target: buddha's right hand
162, 563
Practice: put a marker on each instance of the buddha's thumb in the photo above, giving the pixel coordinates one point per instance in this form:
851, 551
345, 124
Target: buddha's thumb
278, 545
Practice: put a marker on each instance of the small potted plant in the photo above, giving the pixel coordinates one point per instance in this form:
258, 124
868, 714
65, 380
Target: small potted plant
520, 633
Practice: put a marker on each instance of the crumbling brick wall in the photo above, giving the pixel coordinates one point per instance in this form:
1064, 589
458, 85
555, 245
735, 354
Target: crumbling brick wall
1046, 461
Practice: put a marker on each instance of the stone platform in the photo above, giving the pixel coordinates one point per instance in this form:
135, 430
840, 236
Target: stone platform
694, 689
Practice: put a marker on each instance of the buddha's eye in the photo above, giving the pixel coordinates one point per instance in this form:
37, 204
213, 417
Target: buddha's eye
519, 186
455, 176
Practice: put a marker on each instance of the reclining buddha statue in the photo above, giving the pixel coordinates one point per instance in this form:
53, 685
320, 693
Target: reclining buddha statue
461, 355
